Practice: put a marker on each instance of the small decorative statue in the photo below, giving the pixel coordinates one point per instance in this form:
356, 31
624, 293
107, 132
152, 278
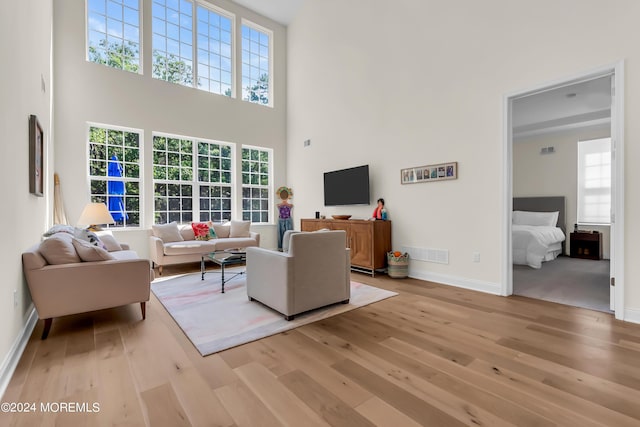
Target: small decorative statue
285, 222
380, 212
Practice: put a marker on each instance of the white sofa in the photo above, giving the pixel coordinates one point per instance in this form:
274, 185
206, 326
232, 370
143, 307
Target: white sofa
188, 249
315, 272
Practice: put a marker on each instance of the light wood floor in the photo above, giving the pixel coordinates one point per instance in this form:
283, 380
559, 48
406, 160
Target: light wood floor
433, 355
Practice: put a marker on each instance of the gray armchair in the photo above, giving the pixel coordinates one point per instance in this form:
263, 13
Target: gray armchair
315, 272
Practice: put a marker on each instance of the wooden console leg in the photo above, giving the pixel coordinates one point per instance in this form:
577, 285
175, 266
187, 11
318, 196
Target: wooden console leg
47, 328
143, 308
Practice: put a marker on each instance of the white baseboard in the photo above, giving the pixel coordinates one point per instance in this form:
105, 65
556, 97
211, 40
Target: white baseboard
632, 315
460, 282
10, 362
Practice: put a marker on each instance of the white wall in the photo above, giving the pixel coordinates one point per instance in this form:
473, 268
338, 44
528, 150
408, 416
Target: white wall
413, 82
25, 43
556, 174
88, 92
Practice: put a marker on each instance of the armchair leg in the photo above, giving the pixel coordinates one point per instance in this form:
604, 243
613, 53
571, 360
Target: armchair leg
288, 318
143, 308
160, 269
47, 328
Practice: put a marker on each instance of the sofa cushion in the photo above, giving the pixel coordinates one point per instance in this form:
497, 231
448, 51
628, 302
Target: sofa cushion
234, 242
189, 247
89, 252
58, 249
222, 230
125, 255
167, 232
240, 229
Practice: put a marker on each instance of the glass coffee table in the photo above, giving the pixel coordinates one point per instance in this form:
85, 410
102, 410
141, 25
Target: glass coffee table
225, 258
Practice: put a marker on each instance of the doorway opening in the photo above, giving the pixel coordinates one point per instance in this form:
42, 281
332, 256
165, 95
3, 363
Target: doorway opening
563, 151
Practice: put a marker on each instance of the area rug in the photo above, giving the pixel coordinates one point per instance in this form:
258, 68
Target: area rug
214, 321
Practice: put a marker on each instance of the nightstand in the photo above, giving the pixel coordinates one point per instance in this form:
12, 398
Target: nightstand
586, 245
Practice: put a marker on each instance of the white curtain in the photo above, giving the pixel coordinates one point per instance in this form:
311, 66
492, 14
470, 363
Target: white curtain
59, 216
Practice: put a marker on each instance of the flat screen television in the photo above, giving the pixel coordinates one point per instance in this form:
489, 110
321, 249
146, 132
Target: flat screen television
347, 186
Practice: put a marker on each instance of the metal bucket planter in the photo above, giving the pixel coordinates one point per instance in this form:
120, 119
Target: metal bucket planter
397, 266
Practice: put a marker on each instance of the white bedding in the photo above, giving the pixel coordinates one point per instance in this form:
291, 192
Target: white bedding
534, 244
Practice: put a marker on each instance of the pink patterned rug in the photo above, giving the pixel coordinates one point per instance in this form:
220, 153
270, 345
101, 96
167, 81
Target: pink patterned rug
214, 321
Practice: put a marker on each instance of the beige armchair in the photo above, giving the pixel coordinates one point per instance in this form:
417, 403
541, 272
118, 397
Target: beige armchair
315, 272
78, 287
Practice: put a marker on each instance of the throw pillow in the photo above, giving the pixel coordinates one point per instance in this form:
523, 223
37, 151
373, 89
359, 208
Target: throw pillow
110, 243
59, 228
221, 230
240, 229
58, 249
89, 252
167, 232
212, 231
88, 236
200, 230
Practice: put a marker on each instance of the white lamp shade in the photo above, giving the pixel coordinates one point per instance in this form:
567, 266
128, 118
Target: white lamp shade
95, 213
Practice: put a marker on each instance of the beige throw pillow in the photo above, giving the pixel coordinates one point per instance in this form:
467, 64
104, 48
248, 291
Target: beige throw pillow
222, 230
240, 229
89, 253
58, 249
167, 232
110, 243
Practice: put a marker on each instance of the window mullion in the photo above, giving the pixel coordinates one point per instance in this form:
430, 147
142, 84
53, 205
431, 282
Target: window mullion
194, 44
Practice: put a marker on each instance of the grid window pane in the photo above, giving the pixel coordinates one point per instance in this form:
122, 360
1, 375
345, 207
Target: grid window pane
190, 180
114, 173
255, 186
214, 50
113, 34
594, 181
255, 65
173, 42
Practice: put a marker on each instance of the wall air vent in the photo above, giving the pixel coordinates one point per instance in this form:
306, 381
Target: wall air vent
439, 256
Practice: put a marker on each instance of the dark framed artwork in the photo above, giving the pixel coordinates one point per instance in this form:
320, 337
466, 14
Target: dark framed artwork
36, 157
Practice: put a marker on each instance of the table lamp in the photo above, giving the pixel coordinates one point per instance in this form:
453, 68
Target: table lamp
94, 214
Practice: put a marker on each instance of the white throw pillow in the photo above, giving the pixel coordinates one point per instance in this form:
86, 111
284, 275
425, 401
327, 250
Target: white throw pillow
167, 232
548, 219
110, 243
239, 229
222, 230
89, 253
58, 249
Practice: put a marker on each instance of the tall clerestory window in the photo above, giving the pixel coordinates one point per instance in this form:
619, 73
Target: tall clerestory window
113, 33
181, 41
256, 64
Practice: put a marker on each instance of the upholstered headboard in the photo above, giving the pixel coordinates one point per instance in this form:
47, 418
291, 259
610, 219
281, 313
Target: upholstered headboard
543, 204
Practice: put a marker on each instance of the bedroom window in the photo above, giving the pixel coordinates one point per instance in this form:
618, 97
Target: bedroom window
114, 172
256, 184
113, 33
256, 64
594, 181
192, 179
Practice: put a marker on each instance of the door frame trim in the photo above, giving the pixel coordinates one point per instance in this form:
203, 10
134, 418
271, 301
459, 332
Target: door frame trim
617, 136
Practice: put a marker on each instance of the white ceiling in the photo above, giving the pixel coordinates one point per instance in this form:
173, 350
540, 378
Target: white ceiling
282, 11
557, 109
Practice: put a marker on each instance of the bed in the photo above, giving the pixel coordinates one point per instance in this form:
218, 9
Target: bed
538, 229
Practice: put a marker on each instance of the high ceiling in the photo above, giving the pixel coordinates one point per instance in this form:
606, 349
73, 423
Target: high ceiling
282, 11
578, 105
